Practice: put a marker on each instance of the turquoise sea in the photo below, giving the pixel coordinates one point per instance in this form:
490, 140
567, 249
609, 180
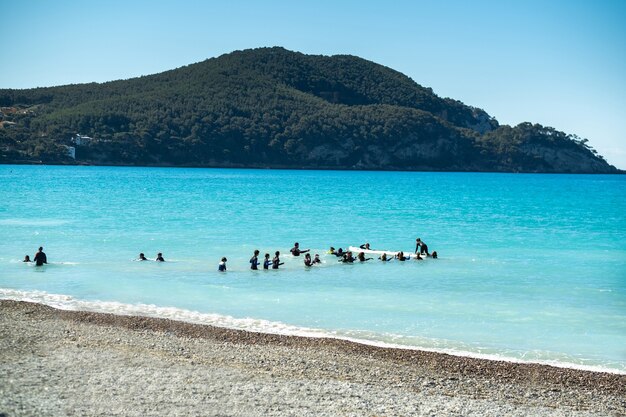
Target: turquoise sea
530, 268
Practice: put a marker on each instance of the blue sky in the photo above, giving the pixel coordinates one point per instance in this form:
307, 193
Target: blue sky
559, 63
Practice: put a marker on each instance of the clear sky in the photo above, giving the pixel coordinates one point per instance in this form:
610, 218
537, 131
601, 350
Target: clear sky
561, 63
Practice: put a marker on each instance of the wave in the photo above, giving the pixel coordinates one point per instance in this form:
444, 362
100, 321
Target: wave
66, 302
33, 222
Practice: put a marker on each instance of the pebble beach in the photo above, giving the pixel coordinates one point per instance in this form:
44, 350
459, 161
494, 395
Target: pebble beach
56, 363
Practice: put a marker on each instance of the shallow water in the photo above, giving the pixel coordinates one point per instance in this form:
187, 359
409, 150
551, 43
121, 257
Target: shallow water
531, 267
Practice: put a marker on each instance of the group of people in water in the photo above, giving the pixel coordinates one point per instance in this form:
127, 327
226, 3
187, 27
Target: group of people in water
39, 259
159, 257
421, 251
275, 262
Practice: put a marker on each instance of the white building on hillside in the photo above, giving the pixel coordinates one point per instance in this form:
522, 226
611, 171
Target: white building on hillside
82, 140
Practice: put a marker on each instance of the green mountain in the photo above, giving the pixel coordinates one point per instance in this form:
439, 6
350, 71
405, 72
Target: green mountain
270, 107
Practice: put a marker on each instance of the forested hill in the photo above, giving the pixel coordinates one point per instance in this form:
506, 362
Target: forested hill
270, 107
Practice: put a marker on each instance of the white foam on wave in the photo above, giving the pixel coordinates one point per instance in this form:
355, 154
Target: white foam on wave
66, 302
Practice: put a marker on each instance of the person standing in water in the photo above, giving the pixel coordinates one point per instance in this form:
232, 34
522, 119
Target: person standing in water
254, 261
267, 262
317, 259
276, 261
159, 257
296, 251
421, 247
222, 265
40, 257
307, 260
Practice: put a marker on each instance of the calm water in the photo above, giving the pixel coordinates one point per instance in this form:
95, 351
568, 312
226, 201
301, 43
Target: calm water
532, 267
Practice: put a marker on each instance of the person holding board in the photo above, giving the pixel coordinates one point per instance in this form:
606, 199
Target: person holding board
421, 247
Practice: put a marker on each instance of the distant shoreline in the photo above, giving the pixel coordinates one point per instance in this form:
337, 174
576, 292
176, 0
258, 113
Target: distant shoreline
92, 345
306, 168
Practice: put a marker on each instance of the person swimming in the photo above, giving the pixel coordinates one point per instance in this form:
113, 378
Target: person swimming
26, 259
276, 261
222, 265
317, 259
384, 258
40, 257
361, 257
254, 261
307, 260
142, 257
400, 256
347, 258
267, 262
159, 257
296, 251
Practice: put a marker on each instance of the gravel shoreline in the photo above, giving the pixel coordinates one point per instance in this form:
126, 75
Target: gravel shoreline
55, 362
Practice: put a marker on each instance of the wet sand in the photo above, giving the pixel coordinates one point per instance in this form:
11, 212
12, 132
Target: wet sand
55, 362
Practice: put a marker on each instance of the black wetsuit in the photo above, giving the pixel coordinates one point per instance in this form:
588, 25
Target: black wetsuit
40, 259
254, 263
275, 262
266, 264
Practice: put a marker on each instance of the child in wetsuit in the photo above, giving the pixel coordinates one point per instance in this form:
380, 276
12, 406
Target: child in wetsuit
222, 265
266, 261
276, 261
254, 261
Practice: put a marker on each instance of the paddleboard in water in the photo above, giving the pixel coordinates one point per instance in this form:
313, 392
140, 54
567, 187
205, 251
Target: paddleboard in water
355, 250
